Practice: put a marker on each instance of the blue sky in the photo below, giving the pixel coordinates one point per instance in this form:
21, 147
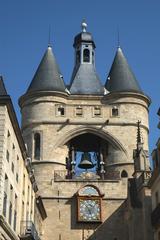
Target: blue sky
24, 27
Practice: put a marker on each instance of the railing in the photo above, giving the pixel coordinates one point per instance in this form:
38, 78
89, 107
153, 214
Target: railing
28, 231
61, 175
155, 216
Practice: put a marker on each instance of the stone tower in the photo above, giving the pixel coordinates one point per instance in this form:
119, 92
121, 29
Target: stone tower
84, 125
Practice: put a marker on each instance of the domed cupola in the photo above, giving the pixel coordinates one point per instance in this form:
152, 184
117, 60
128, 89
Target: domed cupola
121, 78
47, 76
84, 78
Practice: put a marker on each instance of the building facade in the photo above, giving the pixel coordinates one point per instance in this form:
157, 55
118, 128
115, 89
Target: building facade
81, 140
85, 152
20, 211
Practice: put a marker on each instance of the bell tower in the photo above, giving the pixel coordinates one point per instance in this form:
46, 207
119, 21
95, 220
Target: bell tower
84, 47
84, 78
81, 139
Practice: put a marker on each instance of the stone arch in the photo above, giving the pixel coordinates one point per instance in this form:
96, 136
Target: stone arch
85, 129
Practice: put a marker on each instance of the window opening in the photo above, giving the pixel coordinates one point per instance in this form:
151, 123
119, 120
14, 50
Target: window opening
97, 111
10, 205
115, 111
7, 155
17, 177
79, 111
61, 110
12, 167
86, 55
37, 142
124, 174
4, 204
15, 214
5, 195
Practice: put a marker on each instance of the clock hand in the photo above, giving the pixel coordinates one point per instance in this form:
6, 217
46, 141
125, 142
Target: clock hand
89, 210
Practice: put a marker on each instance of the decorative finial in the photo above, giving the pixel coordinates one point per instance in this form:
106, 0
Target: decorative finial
118, 37
139, 137
84, 26
49, 36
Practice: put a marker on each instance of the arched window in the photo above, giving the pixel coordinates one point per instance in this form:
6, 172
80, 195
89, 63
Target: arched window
37, 146
86, 55
124, 174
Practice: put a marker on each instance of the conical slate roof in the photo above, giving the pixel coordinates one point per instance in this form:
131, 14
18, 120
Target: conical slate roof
86, 81
47, 76
121, 77
3, 91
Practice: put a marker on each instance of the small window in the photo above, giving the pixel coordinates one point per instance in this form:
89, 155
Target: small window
97, 111
12, 167
15, 220
7, 155
79, 111
15, 213
93, 57
4, 204
115, 111
60, 110
86, 55
17, 177
24, 184
37, 145
124, 174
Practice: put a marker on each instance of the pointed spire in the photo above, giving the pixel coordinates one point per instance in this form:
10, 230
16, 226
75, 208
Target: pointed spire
140, 156
47, 76
121, 77
3, 91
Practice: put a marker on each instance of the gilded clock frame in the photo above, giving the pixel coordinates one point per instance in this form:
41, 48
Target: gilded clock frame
89, 197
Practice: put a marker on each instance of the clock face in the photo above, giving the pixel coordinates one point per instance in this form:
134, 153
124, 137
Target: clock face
89, 210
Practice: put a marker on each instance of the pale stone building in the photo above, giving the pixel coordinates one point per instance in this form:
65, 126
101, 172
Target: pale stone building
21, 207
81, 139
85, 144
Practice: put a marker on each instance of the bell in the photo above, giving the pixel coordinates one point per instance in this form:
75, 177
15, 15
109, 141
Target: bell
86, 161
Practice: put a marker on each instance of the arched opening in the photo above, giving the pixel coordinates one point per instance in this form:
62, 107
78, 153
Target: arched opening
124, 174
104, 150
86, 155
37, 146
86, 55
